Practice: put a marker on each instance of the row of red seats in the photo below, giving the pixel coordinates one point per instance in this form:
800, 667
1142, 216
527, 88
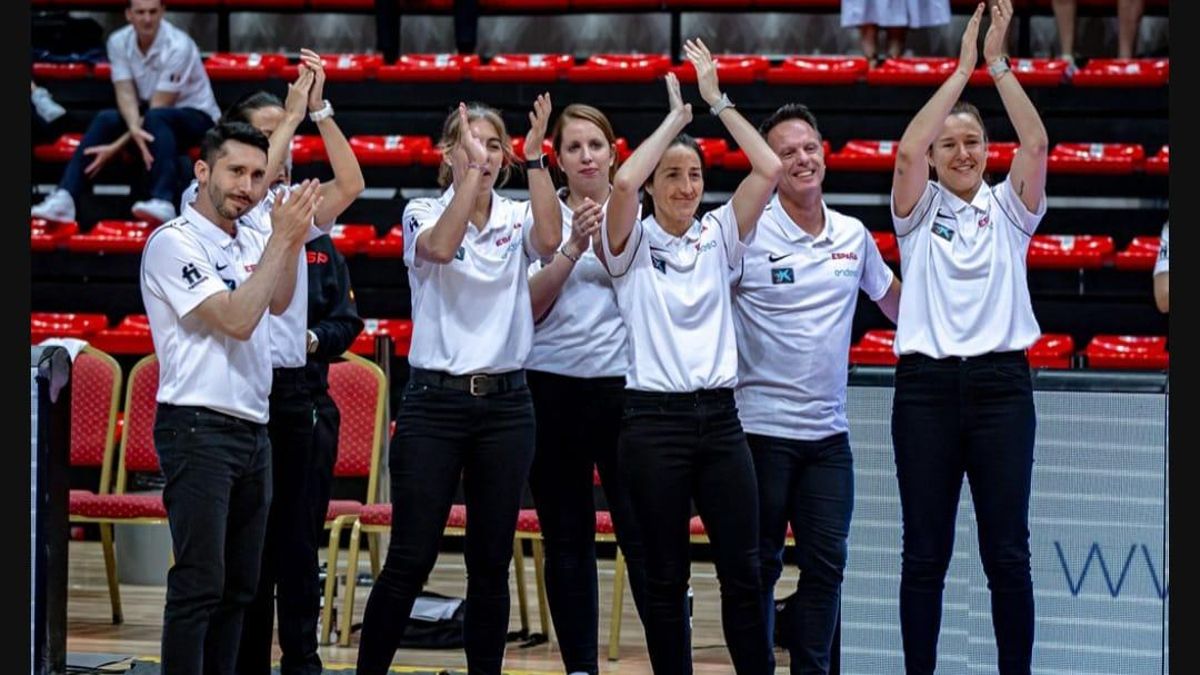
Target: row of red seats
1046, 251
855, 155
131, 335
1127, 352
632, 68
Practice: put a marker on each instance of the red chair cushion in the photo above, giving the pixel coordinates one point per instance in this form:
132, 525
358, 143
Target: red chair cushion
400, 331
620, 68
874, 349
1060, 251
427, 68
1052, 350
1133, 352
44, 325
928, 71
818, 70
123, 506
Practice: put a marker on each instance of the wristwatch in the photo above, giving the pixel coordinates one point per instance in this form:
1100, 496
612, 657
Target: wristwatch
324, 113
999, 67
542, 162
722, 104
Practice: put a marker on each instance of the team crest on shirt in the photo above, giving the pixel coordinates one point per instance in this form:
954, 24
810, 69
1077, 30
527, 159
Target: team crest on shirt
659, 264
783, 275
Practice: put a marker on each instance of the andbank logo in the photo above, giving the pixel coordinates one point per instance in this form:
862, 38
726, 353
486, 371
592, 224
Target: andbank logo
1114, 579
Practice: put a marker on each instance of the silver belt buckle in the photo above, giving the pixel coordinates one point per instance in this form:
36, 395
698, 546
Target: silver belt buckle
476, 384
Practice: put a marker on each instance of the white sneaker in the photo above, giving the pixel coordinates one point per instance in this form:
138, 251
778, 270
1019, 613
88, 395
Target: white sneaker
59, 207
47, 108
154, 211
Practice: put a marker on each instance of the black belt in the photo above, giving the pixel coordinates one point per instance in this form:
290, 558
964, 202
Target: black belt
476, 385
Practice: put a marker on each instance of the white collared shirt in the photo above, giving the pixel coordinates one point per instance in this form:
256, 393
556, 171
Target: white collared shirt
673, 293
965, 286
582, 334
186, 261
1163, 264
172, 64
472, 314
794, 297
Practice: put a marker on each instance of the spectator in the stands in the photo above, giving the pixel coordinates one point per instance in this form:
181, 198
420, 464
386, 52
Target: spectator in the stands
895, 17
1129, 17
1162, 294
165, 103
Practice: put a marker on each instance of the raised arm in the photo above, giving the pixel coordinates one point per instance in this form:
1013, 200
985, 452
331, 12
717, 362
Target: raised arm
293, 114
348, 183
439, 243
755, 190
1028, 172
911, 172
547, 215
623, 204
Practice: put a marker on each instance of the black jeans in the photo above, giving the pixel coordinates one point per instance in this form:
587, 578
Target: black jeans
440, 435
809, 484
289, 581
952, 417
578, 427
682, 448
217, 494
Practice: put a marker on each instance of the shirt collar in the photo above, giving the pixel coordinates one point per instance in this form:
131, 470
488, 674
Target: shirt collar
979, 202
449, 195
208, 229
793, 232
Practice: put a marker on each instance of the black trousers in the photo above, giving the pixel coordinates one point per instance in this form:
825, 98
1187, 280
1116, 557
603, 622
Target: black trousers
217, 495
578, 428
974, 417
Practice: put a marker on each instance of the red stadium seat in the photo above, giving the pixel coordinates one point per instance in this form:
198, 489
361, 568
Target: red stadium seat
391, 245
889, 248
59, 150
382, 150
400, 331
864, 156
928, 71
620, 68
112, 236
736, 160
1139, 256
818, 70
252, 66
1123, 73
1133, 352
526, 68
341, 67
1029, 72
308, 149
810, 5
523, 5
599, 5
518, 148
874, 349
731, 69
427, 68
1000, 155
1160, 163
1052, 350
341, 5
44, 325
45, 235
61, 71
131, 336
1096, 158
623, 149
250, 5
1061, 251
351, 239
712, 150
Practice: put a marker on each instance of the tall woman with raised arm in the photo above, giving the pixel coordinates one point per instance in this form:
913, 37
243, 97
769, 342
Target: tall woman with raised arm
681, 440
466, 410
964, 399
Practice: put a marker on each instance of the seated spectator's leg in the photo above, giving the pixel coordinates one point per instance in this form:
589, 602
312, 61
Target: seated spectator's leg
1064, 16
1129, 19
896, 37
106, 127
466, 25
174, 130
867, 34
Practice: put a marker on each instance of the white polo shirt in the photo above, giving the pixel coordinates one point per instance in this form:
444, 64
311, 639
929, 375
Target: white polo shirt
1163, 264
582, 335
289, 346
673, 293
172, 64
472, 314
185, 262
965, 287
793, 309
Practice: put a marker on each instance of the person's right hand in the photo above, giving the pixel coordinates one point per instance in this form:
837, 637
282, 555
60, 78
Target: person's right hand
140, 138
467, 140
102, 154
968, 54
678, 107
291, 218
585, 223
297, 96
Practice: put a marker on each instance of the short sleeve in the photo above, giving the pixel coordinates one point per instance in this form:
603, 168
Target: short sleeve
1162, 265
116, 58
920, 213
618, 265
725, 219
1012, 206
176, 64
876, 275
419, 215
176, 269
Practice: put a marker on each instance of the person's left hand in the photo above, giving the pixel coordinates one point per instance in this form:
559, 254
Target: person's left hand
993, 41
312, 61
538, 119
706, 70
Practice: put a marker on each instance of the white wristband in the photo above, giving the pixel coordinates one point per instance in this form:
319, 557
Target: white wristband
324, 113
722, 104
